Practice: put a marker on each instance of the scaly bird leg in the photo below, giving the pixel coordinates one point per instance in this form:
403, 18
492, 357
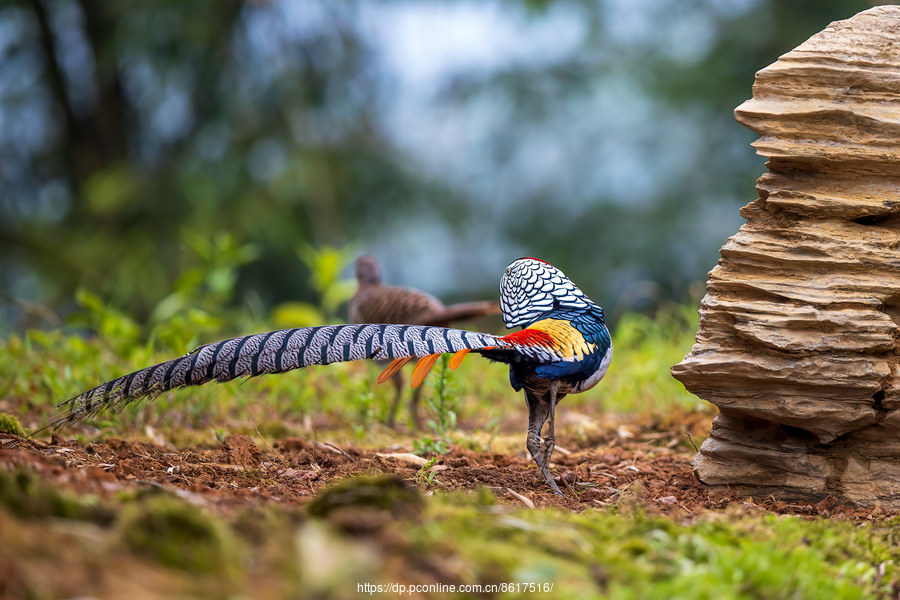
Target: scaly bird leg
549, 443
397, 380
538, 410
414, 408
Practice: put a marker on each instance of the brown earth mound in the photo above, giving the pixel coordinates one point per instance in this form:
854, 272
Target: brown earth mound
649, 469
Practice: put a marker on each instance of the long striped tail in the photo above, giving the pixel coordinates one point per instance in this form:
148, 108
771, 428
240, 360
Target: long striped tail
272, 352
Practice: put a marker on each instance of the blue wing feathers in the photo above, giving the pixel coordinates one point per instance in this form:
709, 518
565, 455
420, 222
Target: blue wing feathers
590, 324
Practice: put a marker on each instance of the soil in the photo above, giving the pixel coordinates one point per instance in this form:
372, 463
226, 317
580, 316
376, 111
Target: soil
649, 469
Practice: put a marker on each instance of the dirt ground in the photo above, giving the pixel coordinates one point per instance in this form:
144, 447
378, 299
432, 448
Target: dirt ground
649, 468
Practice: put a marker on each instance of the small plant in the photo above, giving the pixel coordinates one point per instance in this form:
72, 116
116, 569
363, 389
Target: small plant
425, 476
363, 412
325, 265
444, 400
428, 445
443, 405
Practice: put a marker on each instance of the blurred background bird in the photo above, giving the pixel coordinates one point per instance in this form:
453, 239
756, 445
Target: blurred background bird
375, 302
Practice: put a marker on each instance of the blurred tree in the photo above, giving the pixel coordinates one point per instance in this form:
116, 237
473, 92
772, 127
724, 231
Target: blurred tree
647, 167
126, 124
598, 135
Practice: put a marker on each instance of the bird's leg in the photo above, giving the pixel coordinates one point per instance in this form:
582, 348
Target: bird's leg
537, 415
414, 408
397, 380
549, 442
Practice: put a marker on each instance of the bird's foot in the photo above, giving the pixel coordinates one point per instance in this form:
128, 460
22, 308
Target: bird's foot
543, 465
551, 482
547, 447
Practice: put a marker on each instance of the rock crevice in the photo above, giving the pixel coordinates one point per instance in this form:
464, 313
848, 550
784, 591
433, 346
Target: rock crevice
799, 340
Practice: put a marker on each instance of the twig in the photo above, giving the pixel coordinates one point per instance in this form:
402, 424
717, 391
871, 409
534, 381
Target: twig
691, 440
524, 500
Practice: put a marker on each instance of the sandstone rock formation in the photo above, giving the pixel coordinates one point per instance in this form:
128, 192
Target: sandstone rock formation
798, 340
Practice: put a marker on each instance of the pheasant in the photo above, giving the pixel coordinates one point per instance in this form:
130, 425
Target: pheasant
563, 348
375, 302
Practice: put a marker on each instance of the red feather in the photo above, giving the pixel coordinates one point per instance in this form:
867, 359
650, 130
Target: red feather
533, 258
529, 337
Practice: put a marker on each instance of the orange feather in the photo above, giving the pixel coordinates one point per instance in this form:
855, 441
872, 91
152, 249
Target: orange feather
392, 368
457, 358
422, 367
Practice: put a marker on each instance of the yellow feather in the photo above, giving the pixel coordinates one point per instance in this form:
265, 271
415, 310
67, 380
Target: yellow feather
567, 341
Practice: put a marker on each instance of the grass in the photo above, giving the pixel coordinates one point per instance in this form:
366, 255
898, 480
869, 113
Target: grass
46, 367
377, 530
644, 349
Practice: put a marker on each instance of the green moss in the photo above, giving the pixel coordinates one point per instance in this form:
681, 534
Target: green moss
258, 523
481, 496
273, 429
635, 556
10, 424
178, 535
27, 496
386, 493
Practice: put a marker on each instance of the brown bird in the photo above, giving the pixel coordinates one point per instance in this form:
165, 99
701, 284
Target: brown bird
375, 302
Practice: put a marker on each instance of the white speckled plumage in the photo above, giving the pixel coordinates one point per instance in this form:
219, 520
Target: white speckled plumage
530, 288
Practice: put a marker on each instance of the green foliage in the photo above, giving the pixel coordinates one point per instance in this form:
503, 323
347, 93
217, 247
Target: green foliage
198, 307
644, 350
177, 535
202, 293
325, 266
110, 323
296, 314
443, 404
10, 424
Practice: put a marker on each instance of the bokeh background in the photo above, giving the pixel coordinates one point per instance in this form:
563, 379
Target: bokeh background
162, 155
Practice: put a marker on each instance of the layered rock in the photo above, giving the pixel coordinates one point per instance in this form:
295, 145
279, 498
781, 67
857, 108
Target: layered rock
798, 339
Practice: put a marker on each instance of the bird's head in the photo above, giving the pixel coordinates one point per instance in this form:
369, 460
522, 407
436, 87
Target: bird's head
531, 287
367, 270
